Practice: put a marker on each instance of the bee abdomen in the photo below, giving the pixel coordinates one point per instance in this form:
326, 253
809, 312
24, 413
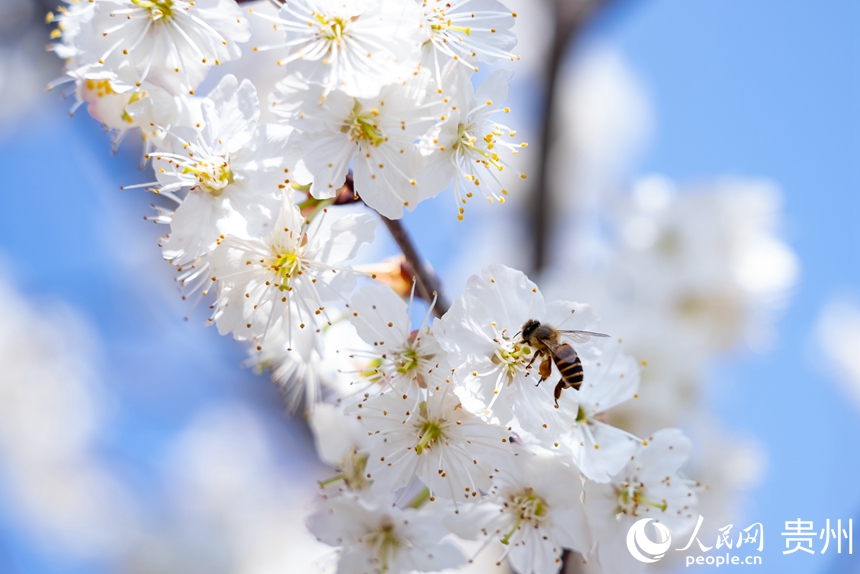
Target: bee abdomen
569, 367
572, 374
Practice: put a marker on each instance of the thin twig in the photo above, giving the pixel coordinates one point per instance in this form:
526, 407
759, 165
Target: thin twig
426, 283
570, 17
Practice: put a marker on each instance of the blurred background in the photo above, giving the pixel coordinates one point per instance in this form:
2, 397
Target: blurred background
699, 187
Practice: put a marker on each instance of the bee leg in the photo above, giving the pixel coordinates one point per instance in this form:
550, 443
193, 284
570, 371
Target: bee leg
545, 368
558, 388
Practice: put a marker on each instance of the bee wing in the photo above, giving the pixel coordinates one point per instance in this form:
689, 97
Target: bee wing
582, 336
563, 349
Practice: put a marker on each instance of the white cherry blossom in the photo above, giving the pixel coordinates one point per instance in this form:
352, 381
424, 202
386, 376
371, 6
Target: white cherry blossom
465, 30
649, 486
233, 168
106, 96
398, 357
121, 103
282, 280
352, 47
449, 449
465, 145
378, 134
171, 43
377, 538
481, 333
535, 510
598, 449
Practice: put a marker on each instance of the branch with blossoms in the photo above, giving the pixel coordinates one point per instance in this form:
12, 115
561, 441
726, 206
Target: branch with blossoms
440, 430
413, 266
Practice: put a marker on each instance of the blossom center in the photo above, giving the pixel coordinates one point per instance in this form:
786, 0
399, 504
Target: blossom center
528, 508
410, 360
332, 29
429, 431
632, 496
213, 177
446, 25
384, 542
465, 145
286, 265
511, 355
361, 126
352, 472
158, 9
441, 23
101, 88
407, 360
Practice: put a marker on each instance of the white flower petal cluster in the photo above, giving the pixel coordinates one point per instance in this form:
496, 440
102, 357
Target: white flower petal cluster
169, 43
377, 538
465, 145
284, 280
119, 52
466, 31
438, 442
384, 90
649, 486
536, 511
399, 358
450, 412
499, 371
232, 168
351, 47
375, 135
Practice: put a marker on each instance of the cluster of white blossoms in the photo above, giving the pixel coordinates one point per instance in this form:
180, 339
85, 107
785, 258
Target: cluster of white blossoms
382, 89
454, 429
460, 427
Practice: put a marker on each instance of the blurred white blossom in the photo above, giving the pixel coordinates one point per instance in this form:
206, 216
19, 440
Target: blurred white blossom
838, 338
53, 410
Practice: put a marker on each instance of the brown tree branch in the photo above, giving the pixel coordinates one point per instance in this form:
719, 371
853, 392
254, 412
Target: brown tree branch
570, 18
426, 282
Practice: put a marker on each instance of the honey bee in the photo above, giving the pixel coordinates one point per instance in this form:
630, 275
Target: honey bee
547, 343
